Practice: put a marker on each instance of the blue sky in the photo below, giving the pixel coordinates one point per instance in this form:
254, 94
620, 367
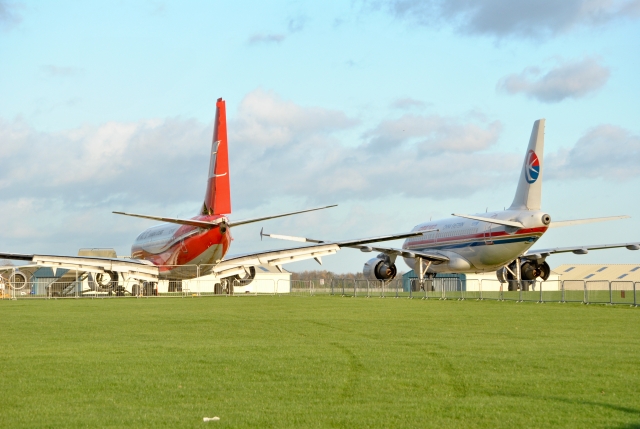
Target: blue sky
396, 110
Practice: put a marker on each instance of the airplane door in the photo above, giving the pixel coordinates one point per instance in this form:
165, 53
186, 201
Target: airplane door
488, 231
487, 234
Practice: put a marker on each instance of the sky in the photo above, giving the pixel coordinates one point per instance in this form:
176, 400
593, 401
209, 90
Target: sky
398, 111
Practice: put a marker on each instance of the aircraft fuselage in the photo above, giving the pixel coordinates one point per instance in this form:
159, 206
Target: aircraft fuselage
477, 246
171, 246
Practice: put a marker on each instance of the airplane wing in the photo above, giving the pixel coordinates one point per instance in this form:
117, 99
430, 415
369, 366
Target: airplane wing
578, 250
239, 265
362, 244
130, 268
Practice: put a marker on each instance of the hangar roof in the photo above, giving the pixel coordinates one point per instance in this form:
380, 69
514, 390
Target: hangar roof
611, 272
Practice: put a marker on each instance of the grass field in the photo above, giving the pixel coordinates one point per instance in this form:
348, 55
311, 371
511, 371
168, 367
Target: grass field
277, 362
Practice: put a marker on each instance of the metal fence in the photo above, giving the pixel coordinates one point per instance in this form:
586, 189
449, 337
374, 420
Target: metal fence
88, 285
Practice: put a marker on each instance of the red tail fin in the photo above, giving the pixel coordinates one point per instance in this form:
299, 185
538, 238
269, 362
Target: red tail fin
217, 200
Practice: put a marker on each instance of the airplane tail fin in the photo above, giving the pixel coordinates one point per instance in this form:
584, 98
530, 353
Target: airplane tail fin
217, 200
529, 192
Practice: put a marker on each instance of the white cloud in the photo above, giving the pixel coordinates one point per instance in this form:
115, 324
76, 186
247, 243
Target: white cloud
571, 79
502, 18
59, 187
276, 148
434, 134
606, 152
287, 149
60, 71
294, 25
266, 38
407, 103
9, 16
121, 162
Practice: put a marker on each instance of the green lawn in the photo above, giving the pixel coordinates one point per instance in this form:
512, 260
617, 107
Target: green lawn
277, 362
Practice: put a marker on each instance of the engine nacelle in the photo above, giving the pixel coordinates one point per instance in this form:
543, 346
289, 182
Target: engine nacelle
107, 279
529, 270
379, 268
18, 280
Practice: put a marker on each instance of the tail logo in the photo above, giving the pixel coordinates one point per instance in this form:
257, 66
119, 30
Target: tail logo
532, 169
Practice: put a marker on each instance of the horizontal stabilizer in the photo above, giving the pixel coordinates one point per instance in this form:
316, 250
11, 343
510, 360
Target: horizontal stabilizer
192, 222
258, 219
558, 224
510, 223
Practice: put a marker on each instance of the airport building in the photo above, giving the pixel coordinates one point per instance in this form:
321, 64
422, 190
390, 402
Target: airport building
599, 272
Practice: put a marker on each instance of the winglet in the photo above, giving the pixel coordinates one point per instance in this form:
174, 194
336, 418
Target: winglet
217, 199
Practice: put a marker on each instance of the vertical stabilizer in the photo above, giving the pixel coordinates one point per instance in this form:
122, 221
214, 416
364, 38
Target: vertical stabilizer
217, 200
529, 192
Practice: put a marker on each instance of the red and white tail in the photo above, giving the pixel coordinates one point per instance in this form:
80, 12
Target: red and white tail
217, 200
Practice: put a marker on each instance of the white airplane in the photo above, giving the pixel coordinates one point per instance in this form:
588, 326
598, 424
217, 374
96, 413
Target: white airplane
494, 241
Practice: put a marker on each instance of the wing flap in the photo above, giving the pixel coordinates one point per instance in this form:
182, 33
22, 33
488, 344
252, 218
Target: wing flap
237, 264
134, 268
361, 244
433, 257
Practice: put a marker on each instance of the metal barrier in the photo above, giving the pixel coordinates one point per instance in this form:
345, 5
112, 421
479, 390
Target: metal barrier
622, 292
15, 285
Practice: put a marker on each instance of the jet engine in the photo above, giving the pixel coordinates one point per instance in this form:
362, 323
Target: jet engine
529, 271
380, 268
18, 280
107, 279
245, 278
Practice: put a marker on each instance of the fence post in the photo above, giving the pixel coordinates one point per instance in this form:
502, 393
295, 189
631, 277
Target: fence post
403, 285
368, 289
198, 279
610, 294
585, 298
634, 294
540, 287
501, 293
562, 288
480, 287
411, 289
520, 290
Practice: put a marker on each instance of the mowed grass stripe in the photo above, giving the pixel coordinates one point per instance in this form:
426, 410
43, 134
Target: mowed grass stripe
317, 362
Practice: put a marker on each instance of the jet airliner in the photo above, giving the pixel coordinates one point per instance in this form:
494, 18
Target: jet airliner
495, 241
172, 249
